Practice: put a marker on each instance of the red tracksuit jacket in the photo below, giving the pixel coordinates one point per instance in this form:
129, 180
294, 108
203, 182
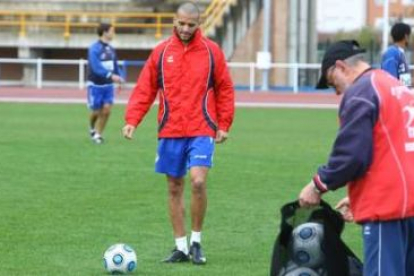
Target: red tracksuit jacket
374, 150
386, 190
194, 88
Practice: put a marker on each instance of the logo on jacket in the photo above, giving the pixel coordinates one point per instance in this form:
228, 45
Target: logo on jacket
399, 91
406, 98
367, 230
409, 110
170, 59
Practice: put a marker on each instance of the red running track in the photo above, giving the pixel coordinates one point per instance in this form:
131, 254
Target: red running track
257, 99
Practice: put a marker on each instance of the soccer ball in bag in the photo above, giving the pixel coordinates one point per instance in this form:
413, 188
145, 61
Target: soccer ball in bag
306, 245
301, 271
292, 269
120, 258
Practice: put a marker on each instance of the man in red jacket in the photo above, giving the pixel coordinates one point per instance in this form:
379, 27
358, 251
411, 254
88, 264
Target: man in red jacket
373, 155
196, 109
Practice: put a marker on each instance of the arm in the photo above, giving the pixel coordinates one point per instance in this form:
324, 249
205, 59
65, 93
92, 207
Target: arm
117, 70
142, 96
117, 75
352, 151
224, 97
95, 63
353, 148
389, 63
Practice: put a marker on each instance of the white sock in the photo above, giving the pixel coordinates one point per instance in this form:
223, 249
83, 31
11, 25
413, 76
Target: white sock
195, 237
181, 244
96, 136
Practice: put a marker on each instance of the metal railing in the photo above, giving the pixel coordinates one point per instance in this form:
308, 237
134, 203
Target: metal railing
213, 15
38, 66
69, 21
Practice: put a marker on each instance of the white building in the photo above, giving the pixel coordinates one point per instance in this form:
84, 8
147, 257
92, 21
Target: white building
340, 15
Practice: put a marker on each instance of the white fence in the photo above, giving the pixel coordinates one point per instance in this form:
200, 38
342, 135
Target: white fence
81, 64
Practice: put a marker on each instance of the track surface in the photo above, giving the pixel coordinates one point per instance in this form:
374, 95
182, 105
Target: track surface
246, 99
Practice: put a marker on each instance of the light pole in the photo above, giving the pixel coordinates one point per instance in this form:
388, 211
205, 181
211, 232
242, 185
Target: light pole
266, 42
385, 24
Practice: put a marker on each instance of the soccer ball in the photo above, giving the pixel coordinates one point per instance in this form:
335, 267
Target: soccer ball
292, 269
306, 245
301, 271
120, 258
322, 272
287, 267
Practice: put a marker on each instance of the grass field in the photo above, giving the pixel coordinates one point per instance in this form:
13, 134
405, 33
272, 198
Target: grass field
64, 200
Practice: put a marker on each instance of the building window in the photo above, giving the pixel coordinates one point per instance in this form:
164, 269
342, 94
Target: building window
381, 2
408, 2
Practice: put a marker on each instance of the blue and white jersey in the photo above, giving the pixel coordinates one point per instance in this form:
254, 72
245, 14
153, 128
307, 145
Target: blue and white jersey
395, 63
102, 63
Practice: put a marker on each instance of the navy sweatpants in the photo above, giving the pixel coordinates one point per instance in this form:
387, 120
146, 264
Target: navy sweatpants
389, 248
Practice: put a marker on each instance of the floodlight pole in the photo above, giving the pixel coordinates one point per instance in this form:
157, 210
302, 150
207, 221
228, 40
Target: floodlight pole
266, 40
385, 24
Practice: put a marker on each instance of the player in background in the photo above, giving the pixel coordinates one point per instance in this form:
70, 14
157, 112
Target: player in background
394, 60
189, 73
103, 73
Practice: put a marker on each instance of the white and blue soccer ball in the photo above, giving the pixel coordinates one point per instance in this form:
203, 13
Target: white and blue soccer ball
301, 271
292, 269
120, 258
290, 265
306, 245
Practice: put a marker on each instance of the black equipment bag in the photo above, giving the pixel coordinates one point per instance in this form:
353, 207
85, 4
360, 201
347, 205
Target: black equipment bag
339, 259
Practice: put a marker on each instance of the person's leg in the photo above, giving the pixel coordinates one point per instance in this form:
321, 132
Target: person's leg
95, 102
177, 215
384, 248
201, 150
198, 210
176, 205
107, 100
171, 162
198, 176
103, 117
93, 117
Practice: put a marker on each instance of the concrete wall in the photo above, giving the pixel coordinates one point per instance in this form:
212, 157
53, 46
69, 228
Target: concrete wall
293, 40
235, 25
80, 5
240, 37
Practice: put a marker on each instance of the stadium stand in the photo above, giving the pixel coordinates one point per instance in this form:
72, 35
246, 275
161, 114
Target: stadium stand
63, 29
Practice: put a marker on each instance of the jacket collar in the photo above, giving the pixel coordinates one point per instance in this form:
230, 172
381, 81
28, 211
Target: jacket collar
196, 38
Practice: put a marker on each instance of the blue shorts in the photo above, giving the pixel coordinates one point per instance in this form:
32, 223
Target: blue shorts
176, 155
99, 95
389, 247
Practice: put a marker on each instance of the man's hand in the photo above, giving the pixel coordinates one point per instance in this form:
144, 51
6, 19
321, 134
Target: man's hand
309, 197
128, 131
117, 78
221, 136
343, 207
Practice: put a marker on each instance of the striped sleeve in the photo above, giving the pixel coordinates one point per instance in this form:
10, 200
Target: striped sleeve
352, 150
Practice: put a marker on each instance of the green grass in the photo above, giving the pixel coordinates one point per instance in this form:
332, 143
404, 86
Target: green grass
64, 200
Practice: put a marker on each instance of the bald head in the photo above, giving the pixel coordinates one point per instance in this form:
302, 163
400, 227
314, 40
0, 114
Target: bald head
189, 8
187, 21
